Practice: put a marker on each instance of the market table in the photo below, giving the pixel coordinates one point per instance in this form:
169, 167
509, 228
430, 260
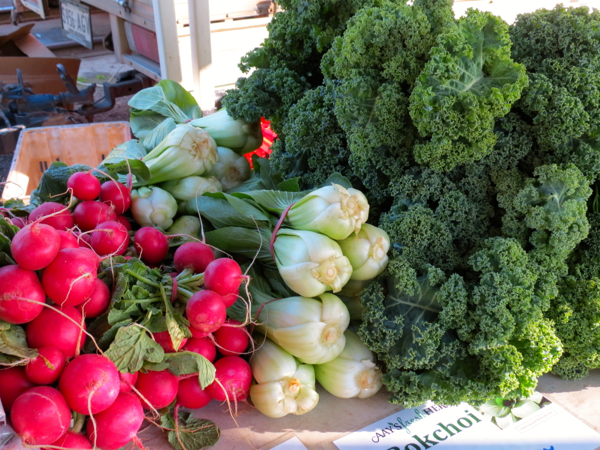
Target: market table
334, 418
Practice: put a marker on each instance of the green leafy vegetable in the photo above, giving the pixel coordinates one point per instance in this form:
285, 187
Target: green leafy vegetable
14, 343
185, 363
53, 185
469, 81
195, 434
131, 347
167, 99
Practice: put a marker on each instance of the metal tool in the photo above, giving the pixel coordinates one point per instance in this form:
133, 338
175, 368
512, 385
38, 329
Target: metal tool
20, 106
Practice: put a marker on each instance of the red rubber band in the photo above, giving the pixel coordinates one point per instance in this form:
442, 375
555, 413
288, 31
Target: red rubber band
276, 229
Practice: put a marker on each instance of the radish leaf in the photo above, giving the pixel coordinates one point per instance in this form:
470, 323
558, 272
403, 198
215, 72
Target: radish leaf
131, 347
195, 434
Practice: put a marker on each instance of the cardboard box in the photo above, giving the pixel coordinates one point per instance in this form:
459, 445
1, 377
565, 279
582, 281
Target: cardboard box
19, 49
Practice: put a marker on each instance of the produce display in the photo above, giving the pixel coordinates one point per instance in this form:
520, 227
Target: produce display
476, 145
121, 304
426, 223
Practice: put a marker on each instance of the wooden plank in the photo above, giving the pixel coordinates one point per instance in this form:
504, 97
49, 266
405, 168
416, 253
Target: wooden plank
165, 24
141, 11
119, 37
203, 84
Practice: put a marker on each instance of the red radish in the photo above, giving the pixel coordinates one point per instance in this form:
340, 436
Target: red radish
116, 195
83, 239
50, 329
70, 279
85, 186
127, 380
20, 222
98, 301
71, 440
118, 424
158, 388
203, 346
87, 376
223, 276
40, 416
111, 238
231, 340
67, 239
35, 246
13, 382
125, 222
235, 376
205, 311
198, 334
89, 214
152, 245
164, 340
193, 255
60, 221
93, 257
38, 371
191, 395
18, 285
230, 299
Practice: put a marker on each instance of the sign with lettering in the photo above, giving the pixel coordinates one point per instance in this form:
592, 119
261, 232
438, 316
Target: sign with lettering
545, 426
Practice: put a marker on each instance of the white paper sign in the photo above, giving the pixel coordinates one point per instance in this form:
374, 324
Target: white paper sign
291, 444
463, 427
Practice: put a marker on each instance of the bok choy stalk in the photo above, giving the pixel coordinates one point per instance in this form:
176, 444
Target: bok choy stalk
310, 329
240, 136
190, 187
187, 188
367, 252
283, 385
231, 169
183, 152
153, 207
189, 225
353, 373
310, 263
332, 210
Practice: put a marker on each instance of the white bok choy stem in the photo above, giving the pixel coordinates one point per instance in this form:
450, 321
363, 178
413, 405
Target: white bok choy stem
183, 152
311, 329
353, 373
367, 251
153, 207
332, 210
231, 169
310, 263
283, 385
237, 134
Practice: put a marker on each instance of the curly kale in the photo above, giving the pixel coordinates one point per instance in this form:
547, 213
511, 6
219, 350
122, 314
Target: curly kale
476, 144
439, 218
445, 339
376, 60
561, 50
314, 146
576, 317
569, 35
266, 93
469, 81
288, 62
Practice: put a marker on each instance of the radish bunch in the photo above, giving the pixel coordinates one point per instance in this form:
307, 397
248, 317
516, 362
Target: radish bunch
69, 275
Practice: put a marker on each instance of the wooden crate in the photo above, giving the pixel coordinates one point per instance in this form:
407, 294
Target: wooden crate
38, 148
